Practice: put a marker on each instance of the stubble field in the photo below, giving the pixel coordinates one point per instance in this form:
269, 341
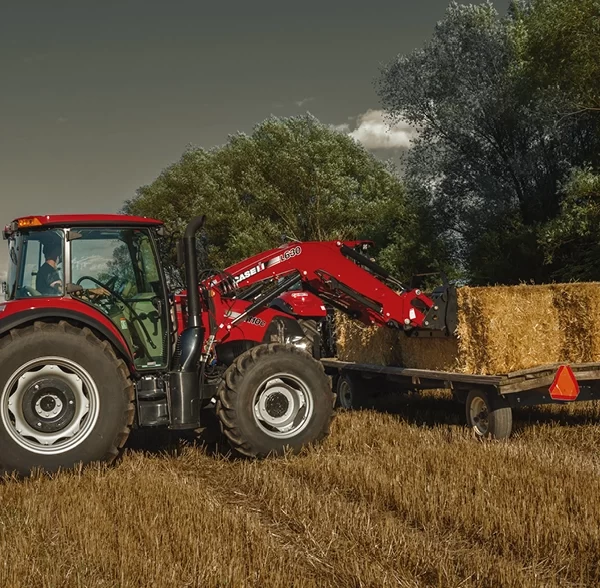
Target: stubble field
399, 495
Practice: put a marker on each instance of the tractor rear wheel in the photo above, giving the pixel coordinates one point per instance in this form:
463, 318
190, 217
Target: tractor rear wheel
65, 399
274, 398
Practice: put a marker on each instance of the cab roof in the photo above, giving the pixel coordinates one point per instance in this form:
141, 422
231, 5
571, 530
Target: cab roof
80, 220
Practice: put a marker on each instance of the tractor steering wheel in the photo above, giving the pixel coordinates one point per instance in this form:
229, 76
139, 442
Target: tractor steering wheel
120, 299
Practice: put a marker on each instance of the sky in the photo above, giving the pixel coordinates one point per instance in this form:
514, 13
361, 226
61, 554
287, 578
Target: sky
97, 98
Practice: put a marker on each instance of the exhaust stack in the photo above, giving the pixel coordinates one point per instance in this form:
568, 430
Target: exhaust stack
184, 378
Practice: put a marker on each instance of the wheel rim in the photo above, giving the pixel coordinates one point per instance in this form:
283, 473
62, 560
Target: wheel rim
49, 405
345, 394
479, 416
282, 406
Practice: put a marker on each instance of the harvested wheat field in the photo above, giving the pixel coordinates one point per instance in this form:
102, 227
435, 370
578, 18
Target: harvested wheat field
500, 329
398, 498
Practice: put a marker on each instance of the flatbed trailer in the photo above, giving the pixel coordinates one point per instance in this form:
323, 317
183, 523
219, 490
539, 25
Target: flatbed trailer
488, 399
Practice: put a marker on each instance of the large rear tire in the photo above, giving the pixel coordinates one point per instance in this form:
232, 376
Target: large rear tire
65, 399
274, 398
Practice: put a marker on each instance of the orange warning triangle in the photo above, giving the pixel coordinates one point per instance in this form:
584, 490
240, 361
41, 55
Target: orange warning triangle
565, 386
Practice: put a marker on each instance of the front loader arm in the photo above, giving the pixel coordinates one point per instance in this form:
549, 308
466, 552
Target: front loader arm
336, 273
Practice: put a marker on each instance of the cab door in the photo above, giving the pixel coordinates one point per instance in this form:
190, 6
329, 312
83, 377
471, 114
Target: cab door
119, 274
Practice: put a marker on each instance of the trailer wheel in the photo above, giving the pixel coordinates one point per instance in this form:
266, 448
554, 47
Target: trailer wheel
350, 392
486, 417
65, 399
274, 398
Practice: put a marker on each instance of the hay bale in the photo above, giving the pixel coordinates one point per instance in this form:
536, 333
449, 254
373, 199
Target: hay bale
500, 329
384, 346
429, 354
362, 344
504, 329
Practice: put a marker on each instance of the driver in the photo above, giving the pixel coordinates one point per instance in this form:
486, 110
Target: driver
48, 281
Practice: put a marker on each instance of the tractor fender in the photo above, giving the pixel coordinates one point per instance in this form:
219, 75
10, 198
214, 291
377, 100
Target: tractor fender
283, 326
16, 315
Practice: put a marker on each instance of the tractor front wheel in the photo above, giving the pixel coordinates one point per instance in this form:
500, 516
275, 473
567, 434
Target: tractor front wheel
274, 398
65, 399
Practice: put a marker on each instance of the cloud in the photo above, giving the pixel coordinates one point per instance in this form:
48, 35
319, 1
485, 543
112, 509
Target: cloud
343, 128
303, 101
374, 132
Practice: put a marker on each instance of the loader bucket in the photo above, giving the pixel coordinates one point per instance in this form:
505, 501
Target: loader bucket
442, 318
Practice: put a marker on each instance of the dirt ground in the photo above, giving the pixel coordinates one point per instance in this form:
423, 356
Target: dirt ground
400, 495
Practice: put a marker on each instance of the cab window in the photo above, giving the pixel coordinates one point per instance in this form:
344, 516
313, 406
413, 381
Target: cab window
35, 264
116, 271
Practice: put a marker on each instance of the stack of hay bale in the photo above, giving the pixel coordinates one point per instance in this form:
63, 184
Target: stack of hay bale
500, 330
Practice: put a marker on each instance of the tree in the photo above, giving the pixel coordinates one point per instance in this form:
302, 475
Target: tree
573, 237
292, 176
560, 48
489, 156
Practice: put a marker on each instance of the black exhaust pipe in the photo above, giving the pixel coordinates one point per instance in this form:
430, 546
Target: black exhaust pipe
191, 270
184, 377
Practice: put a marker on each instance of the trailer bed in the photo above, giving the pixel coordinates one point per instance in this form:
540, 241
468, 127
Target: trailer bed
488, 399
537, 379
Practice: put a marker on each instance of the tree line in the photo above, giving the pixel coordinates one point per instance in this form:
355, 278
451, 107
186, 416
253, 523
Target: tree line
500, 185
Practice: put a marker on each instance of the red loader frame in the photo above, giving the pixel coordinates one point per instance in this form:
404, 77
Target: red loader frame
331, 270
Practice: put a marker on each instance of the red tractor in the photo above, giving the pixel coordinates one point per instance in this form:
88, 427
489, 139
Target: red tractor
93, 343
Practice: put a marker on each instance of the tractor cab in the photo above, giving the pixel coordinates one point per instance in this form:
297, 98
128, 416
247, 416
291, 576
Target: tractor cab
107, 262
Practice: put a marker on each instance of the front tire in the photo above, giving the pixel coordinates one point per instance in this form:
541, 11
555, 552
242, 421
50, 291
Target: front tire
274, 398
65, 399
